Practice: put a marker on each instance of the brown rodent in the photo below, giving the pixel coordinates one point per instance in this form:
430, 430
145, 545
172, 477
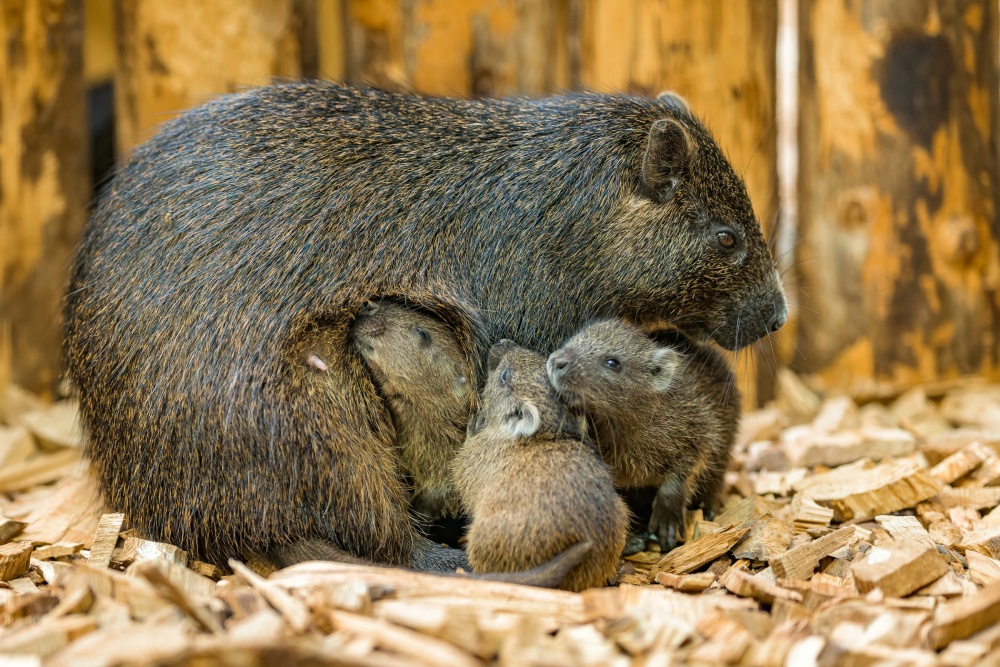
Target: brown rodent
532, 482
664, 413
426, 379
259, 215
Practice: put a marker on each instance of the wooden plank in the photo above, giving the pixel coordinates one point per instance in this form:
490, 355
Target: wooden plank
105, 540
44, 180
800, 562
163, 50
692, 555
15, 559
898, 191
961, 618
898, 568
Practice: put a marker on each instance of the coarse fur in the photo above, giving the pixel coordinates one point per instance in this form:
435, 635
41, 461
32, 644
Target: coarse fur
664, 413
532, 482
425, 376
260, 215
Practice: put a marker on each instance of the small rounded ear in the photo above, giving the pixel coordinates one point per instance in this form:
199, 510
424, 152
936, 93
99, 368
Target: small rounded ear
525, 422
668, 153
665, 365
675, 102
496, 353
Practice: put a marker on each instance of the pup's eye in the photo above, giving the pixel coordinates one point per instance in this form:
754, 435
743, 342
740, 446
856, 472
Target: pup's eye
726, 239
613, 363
424, 336
505, 376
655, 370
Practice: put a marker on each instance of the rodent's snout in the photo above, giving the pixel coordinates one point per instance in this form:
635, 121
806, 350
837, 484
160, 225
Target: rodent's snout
558, 365
779, 318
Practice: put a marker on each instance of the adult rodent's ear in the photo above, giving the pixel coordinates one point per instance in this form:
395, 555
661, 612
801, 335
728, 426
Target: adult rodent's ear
675, 102
525, 421
665, 363
668, 153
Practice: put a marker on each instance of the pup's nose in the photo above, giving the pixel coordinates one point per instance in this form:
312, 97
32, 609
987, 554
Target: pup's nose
558, 365
779, 318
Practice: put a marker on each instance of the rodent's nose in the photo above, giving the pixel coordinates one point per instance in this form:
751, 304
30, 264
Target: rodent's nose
779, 319
370, 308
558, 365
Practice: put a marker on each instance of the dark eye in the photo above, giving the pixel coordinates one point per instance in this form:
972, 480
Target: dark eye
613, 363
425, 337
726, 239
505, 376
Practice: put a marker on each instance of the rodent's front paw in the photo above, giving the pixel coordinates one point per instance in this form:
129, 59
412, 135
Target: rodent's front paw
667, 519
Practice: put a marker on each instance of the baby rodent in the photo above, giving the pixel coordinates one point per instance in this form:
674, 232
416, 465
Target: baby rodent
532, 482
425, 377
664, 411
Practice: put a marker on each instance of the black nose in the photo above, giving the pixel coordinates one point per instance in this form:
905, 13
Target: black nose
779, 318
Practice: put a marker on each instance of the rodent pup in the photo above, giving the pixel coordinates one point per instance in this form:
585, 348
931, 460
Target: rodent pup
425, 379
532, 482
664, 412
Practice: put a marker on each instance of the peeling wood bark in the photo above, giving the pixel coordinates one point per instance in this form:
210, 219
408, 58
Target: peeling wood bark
898, 192
43, 181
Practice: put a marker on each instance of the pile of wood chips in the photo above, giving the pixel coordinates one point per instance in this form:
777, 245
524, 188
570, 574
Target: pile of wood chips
850, 535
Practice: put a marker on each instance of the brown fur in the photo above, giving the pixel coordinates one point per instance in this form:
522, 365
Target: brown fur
664, 413
532, 482
426, 379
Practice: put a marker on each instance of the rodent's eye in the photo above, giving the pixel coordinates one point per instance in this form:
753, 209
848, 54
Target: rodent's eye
505, 376
726, 239
613, 363
655, 370
425, 338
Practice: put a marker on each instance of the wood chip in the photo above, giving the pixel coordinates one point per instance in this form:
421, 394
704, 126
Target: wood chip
289, 606
960, 463
57, 550
56, 426
747, 509
768, 538
739, 582
105, 540
960, 618
812, 448
883, 489
972, 498
9, 529
808, 514
136, 550
800, 562
905, 528
39, 470
15, 559
688, 583
689, 557
16, 445
982, 569
898, 568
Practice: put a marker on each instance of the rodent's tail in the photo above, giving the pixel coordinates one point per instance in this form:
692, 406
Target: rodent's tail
547, 575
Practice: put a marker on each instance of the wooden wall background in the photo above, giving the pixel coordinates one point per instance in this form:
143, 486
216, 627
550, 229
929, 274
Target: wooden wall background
897, 255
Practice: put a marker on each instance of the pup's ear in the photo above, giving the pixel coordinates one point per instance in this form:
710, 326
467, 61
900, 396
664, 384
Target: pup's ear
525, 422
460, 387
668, 153
665, 364
496, 353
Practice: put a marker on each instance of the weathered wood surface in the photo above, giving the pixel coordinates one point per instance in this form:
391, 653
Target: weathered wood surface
899, 187
175, 55
43, 181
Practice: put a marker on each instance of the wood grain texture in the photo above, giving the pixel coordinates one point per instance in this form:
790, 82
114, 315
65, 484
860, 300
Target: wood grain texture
470, 48
898, 192
172, 56
43, 181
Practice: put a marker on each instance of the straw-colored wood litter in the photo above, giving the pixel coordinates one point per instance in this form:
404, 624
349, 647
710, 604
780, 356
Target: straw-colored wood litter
859, 535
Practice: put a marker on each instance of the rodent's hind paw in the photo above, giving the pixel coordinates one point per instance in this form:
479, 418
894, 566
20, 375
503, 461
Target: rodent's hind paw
434, 503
